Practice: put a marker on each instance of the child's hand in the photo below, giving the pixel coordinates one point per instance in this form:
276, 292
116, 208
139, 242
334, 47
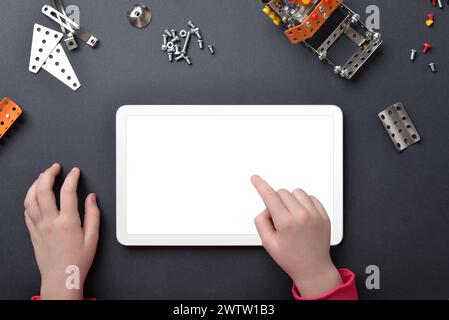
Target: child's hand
295, 230
58, 238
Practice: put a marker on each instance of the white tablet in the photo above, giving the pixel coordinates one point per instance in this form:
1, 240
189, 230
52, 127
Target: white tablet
183, 172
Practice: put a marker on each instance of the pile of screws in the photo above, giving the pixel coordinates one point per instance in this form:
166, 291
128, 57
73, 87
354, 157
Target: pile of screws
176, 44
427, 46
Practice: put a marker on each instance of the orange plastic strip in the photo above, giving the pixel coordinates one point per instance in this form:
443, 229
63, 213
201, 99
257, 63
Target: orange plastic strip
9, 113
313, 22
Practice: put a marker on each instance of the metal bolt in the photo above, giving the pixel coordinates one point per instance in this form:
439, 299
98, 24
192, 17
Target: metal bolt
211, 49
164, 38
355, 18
164, 47
191, 25
179, 57
413, 55
432, 67
175, 39
338, 69
168, 33
186, 58
201, 44
170, 56
322, 55
440, 4
186, 43
196, 32
173, 33
376, 36
177, 51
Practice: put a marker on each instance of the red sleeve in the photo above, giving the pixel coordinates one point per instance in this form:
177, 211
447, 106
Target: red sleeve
346, 291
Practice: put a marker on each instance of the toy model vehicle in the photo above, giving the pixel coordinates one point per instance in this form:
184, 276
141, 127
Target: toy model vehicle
318, 24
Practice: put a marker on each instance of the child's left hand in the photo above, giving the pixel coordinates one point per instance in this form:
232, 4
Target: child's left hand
59, 239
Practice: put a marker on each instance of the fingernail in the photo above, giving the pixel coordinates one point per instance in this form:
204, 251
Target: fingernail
93, 197
55, 164
75, 169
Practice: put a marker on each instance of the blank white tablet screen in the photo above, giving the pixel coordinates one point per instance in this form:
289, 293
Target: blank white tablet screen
191, 174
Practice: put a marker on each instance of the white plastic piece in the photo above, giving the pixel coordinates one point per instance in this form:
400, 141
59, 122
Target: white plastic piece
58, 65
60, 19
44, 42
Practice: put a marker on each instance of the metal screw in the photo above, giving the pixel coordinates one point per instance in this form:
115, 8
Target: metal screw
170, 56
211, 49
196, 32
173, 33
191, 25
179, 57
177, 51
186, 43
164, 38
413, 55
338, 69
355, 18
168, 33
432, 67
186, 58
201, 44
322, 55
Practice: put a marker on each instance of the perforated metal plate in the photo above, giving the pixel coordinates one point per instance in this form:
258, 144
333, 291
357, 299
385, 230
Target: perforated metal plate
58, 65
44, 41
399, 126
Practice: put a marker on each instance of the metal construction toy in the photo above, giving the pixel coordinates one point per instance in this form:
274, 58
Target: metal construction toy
318, 24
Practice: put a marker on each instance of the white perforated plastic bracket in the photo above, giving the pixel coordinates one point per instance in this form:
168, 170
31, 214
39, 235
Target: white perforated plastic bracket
44, 42
58, 65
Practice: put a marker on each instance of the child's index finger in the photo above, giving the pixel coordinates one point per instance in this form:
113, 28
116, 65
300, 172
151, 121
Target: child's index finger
272, 201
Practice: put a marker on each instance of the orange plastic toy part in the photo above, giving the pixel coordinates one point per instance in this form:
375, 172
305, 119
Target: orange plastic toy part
313, 22
9, 113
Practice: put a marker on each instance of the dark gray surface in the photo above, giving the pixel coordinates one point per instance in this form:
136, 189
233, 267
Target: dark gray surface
396, 205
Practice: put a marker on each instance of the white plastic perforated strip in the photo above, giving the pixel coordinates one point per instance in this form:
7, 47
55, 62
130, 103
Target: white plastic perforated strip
44, 42
58, 65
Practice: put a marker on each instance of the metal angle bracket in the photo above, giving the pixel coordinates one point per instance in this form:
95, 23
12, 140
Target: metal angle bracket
69, 40
399, 126
44, 41
58, 65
